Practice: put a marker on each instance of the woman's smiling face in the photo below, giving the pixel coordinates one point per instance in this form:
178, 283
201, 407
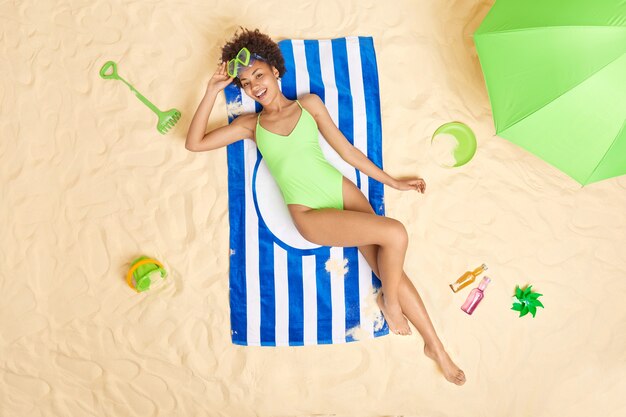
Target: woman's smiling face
259, 81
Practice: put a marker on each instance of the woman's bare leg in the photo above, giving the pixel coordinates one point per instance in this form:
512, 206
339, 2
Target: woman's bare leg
333, 227
414, 309
390, 261
410, 300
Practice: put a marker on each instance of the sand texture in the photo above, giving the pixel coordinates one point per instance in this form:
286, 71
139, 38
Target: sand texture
87, 184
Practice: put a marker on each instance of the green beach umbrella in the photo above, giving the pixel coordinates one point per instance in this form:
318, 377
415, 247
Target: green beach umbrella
556, 77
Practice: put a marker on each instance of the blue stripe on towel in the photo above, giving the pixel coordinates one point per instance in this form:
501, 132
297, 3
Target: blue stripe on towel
374, 127
312, 50
266, 283
324, 301
288, 84
237, 283
296, 300
340, 58
374, 136
314, 296
353, 305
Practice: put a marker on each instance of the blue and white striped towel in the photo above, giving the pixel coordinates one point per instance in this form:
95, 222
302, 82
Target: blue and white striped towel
285, 290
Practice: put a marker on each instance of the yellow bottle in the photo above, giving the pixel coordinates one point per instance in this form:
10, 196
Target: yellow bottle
467, 278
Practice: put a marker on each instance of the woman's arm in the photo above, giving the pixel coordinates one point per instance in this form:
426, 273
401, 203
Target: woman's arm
339, 143
198, 124
351, 154
361, 162
197, 140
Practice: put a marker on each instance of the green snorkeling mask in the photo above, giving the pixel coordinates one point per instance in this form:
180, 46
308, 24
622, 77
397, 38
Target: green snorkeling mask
243, 59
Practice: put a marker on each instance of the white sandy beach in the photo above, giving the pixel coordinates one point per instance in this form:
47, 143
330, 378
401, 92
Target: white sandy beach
87, 184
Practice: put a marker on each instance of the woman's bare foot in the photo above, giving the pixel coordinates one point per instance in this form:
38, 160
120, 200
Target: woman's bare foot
452, 372
393, 314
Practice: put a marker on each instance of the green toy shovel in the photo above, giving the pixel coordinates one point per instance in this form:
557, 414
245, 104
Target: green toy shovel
167, 119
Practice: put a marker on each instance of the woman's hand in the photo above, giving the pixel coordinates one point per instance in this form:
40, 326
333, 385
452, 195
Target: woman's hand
405, 184
220, 79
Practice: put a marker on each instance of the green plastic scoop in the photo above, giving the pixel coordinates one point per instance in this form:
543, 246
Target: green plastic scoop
167, 119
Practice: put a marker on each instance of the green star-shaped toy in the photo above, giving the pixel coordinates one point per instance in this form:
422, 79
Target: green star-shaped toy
527, 301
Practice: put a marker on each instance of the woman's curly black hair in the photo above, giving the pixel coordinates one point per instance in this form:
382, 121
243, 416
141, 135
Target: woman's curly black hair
257, 43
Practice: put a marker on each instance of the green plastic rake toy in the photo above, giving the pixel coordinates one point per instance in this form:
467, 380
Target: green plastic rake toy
167, 119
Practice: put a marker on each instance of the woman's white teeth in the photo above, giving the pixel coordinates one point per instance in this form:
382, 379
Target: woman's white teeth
261, 93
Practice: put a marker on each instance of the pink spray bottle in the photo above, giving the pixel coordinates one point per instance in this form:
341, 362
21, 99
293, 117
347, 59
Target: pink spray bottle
475, 296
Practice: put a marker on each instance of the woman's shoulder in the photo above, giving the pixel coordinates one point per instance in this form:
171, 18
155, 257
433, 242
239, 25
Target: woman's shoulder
312, 103
247, 121
310, 99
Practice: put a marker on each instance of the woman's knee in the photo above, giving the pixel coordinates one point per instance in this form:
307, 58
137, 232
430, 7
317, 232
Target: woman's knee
397, 234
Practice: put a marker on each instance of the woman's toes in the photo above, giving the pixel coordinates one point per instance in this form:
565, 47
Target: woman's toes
404, 332
460, 377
